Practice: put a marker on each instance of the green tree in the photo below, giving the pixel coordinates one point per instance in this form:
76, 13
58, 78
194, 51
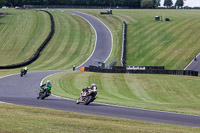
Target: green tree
168, 3
134, 3
147, 4
2, 3
179, 3
157, 3
128, 3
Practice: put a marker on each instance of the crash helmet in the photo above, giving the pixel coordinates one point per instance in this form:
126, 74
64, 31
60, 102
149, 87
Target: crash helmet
48, 82
93, 85
25, 68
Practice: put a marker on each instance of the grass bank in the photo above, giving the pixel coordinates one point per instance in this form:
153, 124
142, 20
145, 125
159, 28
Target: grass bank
15, 118
72, 43
23, 31
157, 92
149, 43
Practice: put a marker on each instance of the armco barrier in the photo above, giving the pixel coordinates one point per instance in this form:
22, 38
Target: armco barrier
170, 72
157, 70
37, 53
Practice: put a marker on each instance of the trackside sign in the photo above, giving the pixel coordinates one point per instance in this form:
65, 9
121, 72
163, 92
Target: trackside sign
135, 68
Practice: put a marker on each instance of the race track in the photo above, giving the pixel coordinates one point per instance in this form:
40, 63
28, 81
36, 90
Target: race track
23, 91
194, 64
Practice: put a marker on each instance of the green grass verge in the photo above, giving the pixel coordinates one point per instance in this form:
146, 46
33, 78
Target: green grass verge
8, 72
149, 43
22, 32
114, 23
157, 92
72, 43
15, 118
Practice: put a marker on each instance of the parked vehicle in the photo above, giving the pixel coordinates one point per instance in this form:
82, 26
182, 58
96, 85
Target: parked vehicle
4, 7
17, 7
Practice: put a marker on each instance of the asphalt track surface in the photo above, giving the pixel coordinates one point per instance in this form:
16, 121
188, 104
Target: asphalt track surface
23, 91
194, 64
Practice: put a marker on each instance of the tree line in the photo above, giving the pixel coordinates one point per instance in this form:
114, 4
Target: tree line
119, 3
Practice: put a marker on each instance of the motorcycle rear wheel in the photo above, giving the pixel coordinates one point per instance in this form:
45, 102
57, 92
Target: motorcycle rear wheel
44, 95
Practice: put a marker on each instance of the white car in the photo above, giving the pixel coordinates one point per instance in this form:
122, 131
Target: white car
17, 7
4, 7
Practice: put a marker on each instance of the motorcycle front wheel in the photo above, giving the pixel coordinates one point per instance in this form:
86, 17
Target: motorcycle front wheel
77, 101
88, 100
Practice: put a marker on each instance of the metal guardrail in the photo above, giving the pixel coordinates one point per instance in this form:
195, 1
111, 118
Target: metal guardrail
149, 70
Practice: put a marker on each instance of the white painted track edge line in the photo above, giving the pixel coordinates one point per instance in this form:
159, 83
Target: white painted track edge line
128, 107
107, 29
95, 40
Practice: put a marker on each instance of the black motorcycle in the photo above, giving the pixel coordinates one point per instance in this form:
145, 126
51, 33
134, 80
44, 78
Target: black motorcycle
44, 92
87, 96
23, 72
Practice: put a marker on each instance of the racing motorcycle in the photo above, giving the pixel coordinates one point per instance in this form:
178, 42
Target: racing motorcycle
23, 72
44, 92
87, 96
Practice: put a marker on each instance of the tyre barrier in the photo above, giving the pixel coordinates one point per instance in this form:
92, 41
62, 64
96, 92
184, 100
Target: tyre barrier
148, 70
39, 50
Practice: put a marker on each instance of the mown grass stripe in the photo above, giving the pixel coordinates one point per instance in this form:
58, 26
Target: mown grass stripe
72, 43
58, 43
147, 52
157, 92
15, 39
43, 19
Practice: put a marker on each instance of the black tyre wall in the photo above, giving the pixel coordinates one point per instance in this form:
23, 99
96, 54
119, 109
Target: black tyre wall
37, 54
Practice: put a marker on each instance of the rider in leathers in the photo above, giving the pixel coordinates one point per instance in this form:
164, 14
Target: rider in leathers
47, 85
87, 89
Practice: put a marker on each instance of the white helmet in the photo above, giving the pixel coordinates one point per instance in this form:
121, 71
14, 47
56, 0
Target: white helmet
94, 85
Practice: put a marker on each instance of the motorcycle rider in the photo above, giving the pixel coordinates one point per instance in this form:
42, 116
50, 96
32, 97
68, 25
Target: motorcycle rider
24, 70
74, 67
47, 85
87, 89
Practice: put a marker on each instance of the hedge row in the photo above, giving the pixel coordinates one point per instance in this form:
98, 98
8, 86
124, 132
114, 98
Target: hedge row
39, 50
